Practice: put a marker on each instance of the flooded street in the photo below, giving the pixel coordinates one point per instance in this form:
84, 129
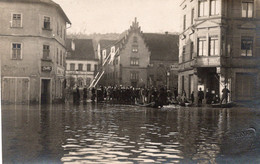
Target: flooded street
105, 133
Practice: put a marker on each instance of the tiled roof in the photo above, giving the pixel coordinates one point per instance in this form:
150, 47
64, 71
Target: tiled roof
48, 2
162, 46
105, 43
84, 49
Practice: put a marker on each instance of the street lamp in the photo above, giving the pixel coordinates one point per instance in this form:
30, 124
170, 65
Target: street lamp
167, 79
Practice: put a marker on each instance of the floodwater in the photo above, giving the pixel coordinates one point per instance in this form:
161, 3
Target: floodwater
107, 133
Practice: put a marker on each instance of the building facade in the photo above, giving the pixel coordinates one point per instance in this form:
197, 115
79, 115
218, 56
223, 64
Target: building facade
164, 55
141, 59
32, 38
81, 62
128, 59
220, 45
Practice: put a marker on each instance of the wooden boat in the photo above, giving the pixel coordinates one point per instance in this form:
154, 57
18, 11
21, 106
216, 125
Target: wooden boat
146, 105
227, 105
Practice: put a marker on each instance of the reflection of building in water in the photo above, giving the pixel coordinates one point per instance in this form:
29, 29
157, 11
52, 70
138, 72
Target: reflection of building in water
32, 51
81, 62
219, 44
201, 132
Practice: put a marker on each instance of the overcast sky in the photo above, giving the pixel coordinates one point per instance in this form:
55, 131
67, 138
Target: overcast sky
109, 16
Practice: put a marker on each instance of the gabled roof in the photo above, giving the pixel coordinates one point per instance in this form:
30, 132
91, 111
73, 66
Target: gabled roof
47, 2
105, 43
162, 46
84, 49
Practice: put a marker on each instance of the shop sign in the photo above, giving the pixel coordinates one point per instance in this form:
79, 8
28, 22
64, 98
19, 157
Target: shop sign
46, 68
174, 67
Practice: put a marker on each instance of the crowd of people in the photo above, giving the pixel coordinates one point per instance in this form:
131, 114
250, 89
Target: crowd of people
131, 95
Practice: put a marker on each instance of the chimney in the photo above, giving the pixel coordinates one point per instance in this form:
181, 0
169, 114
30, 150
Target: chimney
72, 45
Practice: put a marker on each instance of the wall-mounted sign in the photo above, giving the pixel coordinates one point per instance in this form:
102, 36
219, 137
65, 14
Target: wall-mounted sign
46, 68
174, 67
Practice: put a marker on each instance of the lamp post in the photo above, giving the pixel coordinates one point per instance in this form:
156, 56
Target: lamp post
167, 79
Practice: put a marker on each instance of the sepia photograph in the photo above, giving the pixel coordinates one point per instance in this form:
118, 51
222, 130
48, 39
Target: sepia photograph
130, 81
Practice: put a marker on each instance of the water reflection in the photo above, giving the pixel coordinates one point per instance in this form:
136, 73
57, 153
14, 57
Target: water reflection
103, 133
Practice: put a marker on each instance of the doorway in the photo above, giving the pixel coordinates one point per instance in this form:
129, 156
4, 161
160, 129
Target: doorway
45, 91
245, 86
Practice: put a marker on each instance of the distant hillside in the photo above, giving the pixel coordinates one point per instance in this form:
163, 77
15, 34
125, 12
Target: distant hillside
96, 36
108, 36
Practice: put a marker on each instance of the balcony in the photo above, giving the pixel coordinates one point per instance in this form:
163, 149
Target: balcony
208, 61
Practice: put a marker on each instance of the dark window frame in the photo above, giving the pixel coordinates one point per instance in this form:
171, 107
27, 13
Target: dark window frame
247, 9
16, 20
46, 51
46, 23
16, 51
247, 45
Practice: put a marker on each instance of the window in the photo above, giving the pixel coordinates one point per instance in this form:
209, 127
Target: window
46, 51
80, 67
88, 67
61, 31
16, 51
104, 54
63, 61
192, 16
134, 75
201, 8
247, 9
247, 46
184, 22
17, 20
214, 48
47, 23
183, 53
60, 57
135, 48
191, 49
57, 56
213, 7
58, 29
95, 67
134, 61
113, 49
64, 33
182, 83
72, 67
135, 39
202, 49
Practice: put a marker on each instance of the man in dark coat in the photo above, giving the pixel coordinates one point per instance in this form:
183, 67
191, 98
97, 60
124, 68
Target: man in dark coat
78, 94
225, 93
85, 92
200, 97
93, 92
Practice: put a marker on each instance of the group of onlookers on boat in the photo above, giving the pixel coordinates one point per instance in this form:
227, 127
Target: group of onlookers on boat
143, 96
